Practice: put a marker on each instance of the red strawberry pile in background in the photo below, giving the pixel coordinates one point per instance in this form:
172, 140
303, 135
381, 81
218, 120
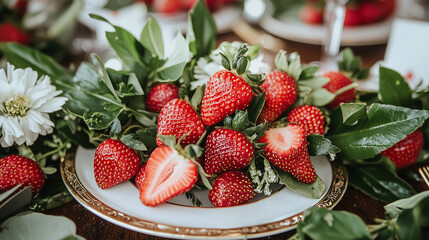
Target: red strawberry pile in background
48, 26
177, 6
358, 12
10, 22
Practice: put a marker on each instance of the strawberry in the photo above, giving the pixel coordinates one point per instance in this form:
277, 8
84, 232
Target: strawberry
21, 6
114, 163
225, 93
308, 117
16, 169
160, 95
11, 33
178, 118
287, 149
386, 7
352, 16
337, 81
280, 93
310, 13
230, 189
227, 149
140, 176
370, 12
405, 152
167, 174
166, 6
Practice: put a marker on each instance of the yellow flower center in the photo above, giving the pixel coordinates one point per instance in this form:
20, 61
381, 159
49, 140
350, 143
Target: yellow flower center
17, 106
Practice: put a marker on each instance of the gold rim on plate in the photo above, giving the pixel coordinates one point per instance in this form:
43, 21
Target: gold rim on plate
89, 201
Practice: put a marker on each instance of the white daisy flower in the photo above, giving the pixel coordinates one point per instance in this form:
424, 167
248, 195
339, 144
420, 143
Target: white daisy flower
25, 104
205, 68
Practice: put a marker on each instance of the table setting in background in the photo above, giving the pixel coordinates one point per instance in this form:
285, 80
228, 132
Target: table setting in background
214, 119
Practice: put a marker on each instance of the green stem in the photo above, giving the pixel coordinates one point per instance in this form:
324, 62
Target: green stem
383, 225
131, 127
346, 88
53, 151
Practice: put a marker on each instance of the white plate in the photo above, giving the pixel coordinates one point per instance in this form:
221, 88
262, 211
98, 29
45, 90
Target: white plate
224, 18
288, 26
137, 14
179, 219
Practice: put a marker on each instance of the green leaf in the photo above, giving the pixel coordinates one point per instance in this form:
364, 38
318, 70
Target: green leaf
96, 59
255, 107
240, 121
131, 141
308, 73
407, 226
49, 170
422, 212
88, 98
313, 190
281, 61
173, 67
128, 83
322, 223
32, 225
395, 208
385, 126
315, 82
22, 57
144, 119
352, 112
295, 67
197, 97
148, 137
151, 38
116, 127
127, 47
394, 89
259, 130
320, 97
379, 183
201, 34
351, 65
319, 145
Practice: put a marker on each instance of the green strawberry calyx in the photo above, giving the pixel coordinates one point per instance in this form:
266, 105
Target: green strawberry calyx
239, 64
240, 122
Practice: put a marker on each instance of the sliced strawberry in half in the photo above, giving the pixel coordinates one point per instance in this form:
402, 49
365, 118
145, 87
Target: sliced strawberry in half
287, 149
167, 174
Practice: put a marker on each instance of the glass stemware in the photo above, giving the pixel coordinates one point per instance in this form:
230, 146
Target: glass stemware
334, 19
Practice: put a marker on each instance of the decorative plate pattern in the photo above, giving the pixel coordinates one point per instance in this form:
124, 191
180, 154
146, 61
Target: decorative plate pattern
111, 213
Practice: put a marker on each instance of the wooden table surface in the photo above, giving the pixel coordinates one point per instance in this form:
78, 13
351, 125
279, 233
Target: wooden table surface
92, 227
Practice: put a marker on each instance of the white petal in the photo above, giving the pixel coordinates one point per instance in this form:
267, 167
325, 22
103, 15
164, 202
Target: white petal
30, 78
12, 126
53, 105
10, 131
36, 116
47, 121
39, 95
3, 78
10, 69
32, 124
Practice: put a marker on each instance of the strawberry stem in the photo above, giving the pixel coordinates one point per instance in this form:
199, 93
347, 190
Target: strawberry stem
66, 144
346, 88
131, 127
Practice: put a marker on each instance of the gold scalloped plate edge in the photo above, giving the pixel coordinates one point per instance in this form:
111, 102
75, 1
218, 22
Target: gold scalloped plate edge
90, 202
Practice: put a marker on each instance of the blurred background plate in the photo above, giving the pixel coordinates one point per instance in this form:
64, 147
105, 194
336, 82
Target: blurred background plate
288, 26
